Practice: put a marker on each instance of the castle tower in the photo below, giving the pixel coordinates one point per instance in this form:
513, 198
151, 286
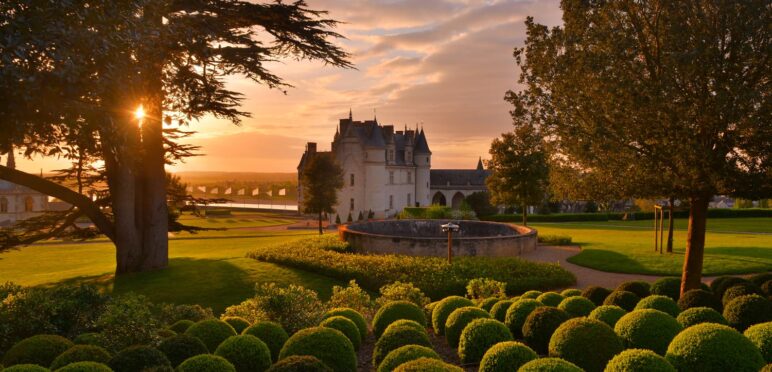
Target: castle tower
422, 157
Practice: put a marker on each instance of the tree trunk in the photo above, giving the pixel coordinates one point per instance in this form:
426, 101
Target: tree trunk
320, 224
695, 243
670, 227
525, 215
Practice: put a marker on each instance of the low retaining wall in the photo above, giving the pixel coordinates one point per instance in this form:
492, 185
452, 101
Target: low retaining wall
425, 238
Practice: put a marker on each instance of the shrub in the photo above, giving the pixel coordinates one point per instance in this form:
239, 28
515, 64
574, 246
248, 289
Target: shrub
171, 313
427, 365
238, 324
488, 303
550, 364
408, 323
81, 353
352, 315
181, 347
346, 326
742, 289
394, 338
300, 363
670, 287
480, 288
40, 350
294, 307
576, 306
166, 333
596, 294
608, 314
746, 311
624, 299
697, 315
540, 325
443, 309
353, 297
211, 332
206, 362
272, 334
767, 287
661, 303
517, 313
459, 319
85, 367
479, 336
699, 298
181, 326
499, 309
532, 294
638, 287
327, 344
760, 279
394, 311
247, 353
588, 343
404, 354
555, 239
506, 356
647, 329
138, 358
710, 347
761, 336
638, 360
550, 298
571, 292
26, 368
725, 284
128, 320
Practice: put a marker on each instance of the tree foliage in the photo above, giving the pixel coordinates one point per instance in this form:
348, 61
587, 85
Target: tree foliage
321, 180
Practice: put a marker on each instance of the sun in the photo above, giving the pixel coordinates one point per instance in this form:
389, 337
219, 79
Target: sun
139, 113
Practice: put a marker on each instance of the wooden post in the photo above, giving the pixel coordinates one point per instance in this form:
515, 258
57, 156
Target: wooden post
655, 228
661, 229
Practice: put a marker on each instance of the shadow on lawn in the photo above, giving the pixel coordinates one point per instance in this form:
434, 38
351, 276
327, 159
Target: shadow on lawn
604, 260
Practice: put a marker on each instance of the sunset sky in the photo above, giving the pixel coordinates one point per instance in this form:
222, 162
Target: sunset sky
443, 63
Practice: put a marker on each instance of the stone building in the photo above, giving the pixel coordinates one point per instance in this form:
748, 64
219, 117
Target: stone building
18, 202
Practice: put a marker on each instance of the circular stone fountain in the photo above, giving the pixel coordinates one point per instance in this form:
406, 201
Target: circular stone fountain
425, 238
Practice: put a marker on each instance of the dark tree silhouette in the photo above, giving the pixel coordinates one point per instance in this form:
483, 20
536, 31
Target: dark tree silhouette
321, 180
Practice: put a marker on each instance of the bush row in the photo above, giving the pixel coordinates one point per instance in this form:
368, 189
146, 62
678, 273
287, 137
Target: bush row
579, 217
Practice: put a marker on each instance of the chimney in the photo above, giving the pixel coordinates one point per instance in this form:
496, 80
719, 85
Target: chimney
11, 160
311, 148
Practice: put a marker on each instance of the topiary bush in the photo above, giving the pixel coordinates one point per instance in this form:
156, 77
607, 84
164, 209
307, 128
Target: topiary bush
181, 347
588, 343
239, 324
550, 298
639, 360
26, 368
499, 309
206, 362
442, 311
531, 294
81, 353
138, 358
767, 287
181, 326
85, 367
710, 347
394, 311
479, 336
488, 303
638, 287
459, 319
577, 306
760, 279
300, 363
596, 294
211, 332
551, 365
506, 356
271, 333
661, 303
647, 329
39, 349
427, 365
725, 284
517, 313
247, 353
742, 289
624, 299
697, 315
699, 298
353, 315
608, 314
327, 344
717, 282
761, 336
571, 292
669, 286
746, 311
346, 326
404, 354
166, 333
90, 338
541, 324
395, 337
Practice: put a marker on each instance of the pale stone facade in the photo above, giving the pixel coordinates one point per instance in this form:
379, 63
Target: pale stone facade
18, 202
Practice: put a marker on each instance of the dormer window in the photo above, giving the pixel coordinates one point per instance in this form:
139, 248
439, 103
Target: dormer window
391, 155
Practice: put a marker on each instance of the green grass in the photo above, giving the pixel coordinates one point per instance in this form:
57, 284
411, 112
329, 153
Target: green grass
237, 220
733, 246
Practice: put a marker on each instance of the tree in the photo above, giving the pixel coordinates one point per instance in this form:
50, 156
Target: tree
672, 93
321, 180
519, 170
80, 69
480, 202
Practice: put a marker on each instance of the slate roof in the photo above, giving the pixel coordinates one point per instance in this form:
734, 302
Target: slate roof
421, 146
374, 135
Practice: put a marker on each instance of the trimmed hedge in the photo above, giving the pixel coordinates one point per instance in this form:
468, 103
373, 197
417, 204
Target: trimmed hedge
479, 336
408, 323
738, 290
697, 315
181, 347
571, 292
459, 319
181, 326
90, 338
499, 310
647, 329
346, 326
551, 365
272, 334
577, 306
206, 362
725, 283
618, 216
442, 311
746, 311
85, 366
26, 368
38, 349
596, 294
353, 315
760, 279
212, 332
138, 358
761, 336
541, 324
300, 363
670, 286
427, 365
517, 313
638, 287
239, 324
767, 288
246, 352
588, 343
639, 360
327, 344
396, 337
661, 303
710, 347
488, 303
699, 298
404, 354
608, 314
506, 356
624, 299
81, 353
396, 310
550, 298
532, 294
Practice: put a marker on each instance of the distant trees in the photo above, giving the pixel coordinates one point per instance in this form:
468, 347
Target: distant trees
480, 202
321, 180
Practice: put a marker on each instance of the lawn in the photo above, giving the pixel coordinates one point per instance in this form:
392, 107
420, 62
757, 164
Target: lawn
238, 220
733, 246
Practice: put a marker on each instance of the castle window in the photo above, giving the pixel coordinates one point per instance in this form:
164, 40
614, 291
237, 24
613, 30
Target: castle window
29, 204
3, 205
391, 177
352, 179
409, 178
408, 156
391, 201
391, 155
409, 199
351, 205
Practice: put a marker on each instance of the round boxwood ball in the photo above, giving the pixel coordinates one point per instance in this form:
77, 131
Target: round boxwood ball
710, 347
239, 324
699, 298
272, 334
541, 324
396, 337
166, 333
85, 367
459, 319
346, 326
550, 298
394, 311
90, 338
404, 354
588, 343
746, 311
246, 353
427, 365
647, 329
608, 314
181, 326
697, 315
624, 299
661, 303
81, 353
206, 362
717, 282
577, 306
499, 309
300, 363
596, 294
506, 356
725, 284
329, 345
517, 313
488, 303
742, 289
479, 336
181, 347
38, 349
408, 323
761, 336
353, 315
531, 294
442, 311
760, 279
138, 358
26, 368
550, 364
211, 332
571, 292
767, 287
638, 287
669, 286
639, 360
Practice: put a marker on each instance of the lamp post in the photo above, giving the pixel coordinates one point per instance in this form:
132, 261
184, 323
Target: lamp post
450, 228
